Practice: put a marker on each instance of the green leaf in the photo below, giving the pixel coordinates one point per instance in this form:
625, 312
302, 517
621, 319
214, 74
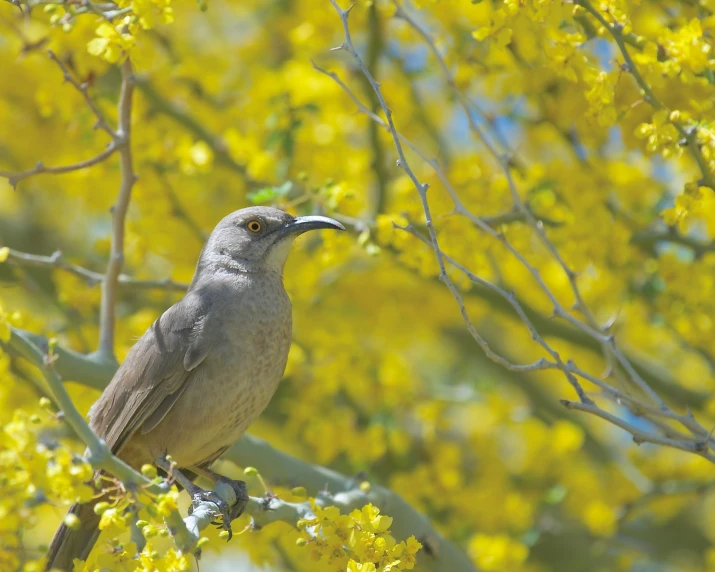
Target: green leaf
269, 194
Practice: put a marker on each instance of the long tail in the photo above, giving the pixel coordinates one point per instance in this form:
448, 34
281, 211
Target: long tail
68, 544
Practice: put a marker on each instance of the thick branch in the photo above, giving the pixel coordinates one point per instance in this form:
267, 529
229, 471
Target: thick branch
100, 456
280, 468
277, 467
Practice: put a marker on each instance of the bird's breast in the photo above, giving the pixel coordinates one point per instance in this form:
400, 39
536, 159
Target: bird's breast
235, 382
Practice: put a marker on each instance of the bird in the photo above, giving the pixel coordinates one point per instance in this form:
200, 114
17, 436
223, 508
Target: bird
204, 370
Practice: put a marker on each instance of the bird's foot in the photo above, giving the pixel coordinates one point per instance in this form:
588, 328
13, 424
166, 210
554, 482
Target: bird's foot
228, 513
199, 496
239, 488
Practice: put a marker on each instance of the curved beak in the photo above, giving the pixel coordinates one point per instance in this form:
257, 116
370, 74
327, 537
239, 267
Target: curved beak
303, 224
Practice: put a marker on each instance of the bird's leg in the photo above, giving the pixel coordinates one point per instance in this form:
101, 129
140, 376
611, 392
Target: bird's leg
197, 494
239, 487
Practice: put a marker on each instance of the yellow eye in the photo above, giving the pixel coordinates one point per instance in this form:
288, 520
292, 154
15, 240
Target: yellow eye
254, 226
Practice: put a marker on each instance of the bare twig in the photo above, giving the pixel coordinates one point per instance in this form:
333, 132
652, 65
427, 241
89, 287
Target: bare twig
101, 123
56, 261
592, 328
15, 178
422, 191
485, 224
83, 89
641, 436
119, 212
505, 162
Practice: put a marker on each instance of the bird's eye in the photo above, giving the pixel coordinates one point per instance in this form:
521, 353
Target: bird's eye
254, 226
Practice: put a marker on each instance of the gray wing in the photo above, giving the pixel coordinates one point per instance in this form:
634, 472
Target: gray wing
154, 374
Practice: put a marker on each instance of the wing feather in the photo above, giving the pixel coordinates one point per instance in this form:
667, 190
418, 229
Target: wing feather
154, 373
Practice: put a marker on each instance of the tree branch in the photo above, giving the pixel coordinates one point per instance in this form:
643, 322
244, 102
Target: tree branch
83, 89
101, 123
332, 488
56, 261
422, 191
119, 212
186, 532
641, 436
15, 178
592, 328
100, 456
276, 466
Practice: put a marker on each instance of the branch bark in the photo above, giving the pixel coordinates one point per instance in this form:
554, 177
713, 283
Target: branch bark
56, 261
15, 178
119, 212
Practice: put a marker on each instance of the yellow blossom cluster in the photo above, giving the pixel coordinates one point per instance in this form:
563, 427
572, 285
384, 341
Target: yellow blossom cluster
602, 112
360, 541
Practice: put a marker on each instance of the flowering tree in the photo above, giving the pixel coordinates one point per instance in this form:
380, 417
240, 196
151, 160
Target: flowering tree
525, 295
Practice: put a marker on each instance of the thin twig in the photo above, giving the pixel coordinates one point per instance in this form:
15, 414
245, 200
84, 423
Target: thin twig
83, 89
485, 226
15, 178
422, 191
56, 261
639, 435
505, 161
592, 328
637, 407
119, 213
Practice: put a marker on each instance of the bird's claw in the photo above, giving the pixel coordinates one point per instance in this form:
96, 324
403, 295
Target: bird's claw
228, 513
239, 488
209, 496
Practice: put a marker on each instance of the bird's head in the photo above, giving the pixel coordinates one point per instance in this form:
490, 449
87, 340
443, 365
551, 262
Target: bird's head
258, 238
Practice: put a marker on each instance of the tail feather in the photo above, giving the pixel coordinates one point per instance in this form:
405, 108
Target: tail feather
68, 544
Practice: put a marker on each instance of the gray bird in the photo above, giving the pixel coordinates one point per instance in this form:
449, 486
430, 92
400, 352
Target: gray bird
204, 370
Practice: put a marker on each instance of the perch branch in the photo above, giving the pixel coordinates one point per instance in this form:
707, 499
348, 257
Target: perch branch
100, 456
277, 467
